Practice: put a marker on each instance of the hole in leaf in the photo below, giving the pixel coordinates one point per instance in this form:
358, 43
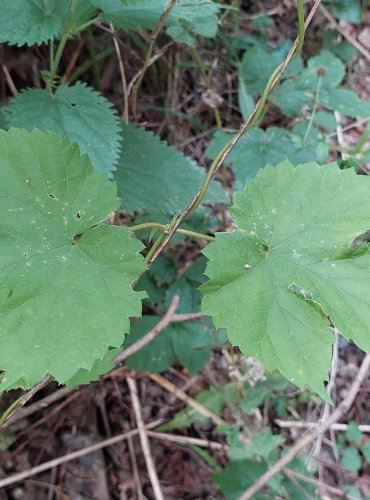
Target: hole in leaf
51, 196
25, 255
78, 215
360, 239
77, 237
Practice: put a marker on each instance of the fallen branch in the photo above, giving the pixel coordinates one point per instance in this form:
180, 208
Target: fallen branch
144, 440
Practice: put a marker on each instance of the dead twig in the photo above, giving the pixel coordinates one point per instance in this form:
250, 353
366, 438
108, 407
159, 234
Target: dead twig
144, 440
203, 443
161, 325
342, 409
186, 399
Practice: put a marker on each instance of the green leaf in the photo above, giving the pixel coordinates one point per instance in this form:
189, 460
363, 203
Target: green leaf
351, 459
68, 275
192, 343
258, 148
156, 356
238, 476
163, 269
3, 121
289, 264
32, 22
353, 433
188, 343
100, 367
246, 102
258, 64
153, 177
262, 444
365, 450
322, 75
346, 102
352, 491
183, 23
77, 113
347, 10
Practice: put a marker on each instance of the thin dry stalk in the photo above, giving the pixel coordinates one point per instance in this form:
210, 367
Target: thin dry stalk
160, 326
144, 440
186, 399
152, 60
9, 80
341, 410
203, 443
327, 407
149, 54
123, 76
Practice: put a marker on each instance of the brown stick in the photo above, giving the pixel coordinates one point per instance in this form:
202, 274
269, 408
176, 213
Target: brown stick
144, 440
161, 325
342, 408
187, 399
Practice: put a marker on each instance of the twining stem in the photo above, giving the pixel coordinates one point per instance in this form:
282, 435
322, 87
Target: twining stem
255, 114
165, 229
154, 248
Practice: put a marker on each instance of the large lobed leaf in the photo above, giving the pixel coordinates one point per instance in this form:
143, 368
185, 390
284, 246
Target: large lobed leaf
29, 22
288, 271
77, 113
258, 148
65, 277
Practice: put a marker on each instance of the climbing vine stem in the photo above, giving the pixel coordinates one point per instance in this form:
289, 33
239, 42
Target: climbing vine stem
245, 127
